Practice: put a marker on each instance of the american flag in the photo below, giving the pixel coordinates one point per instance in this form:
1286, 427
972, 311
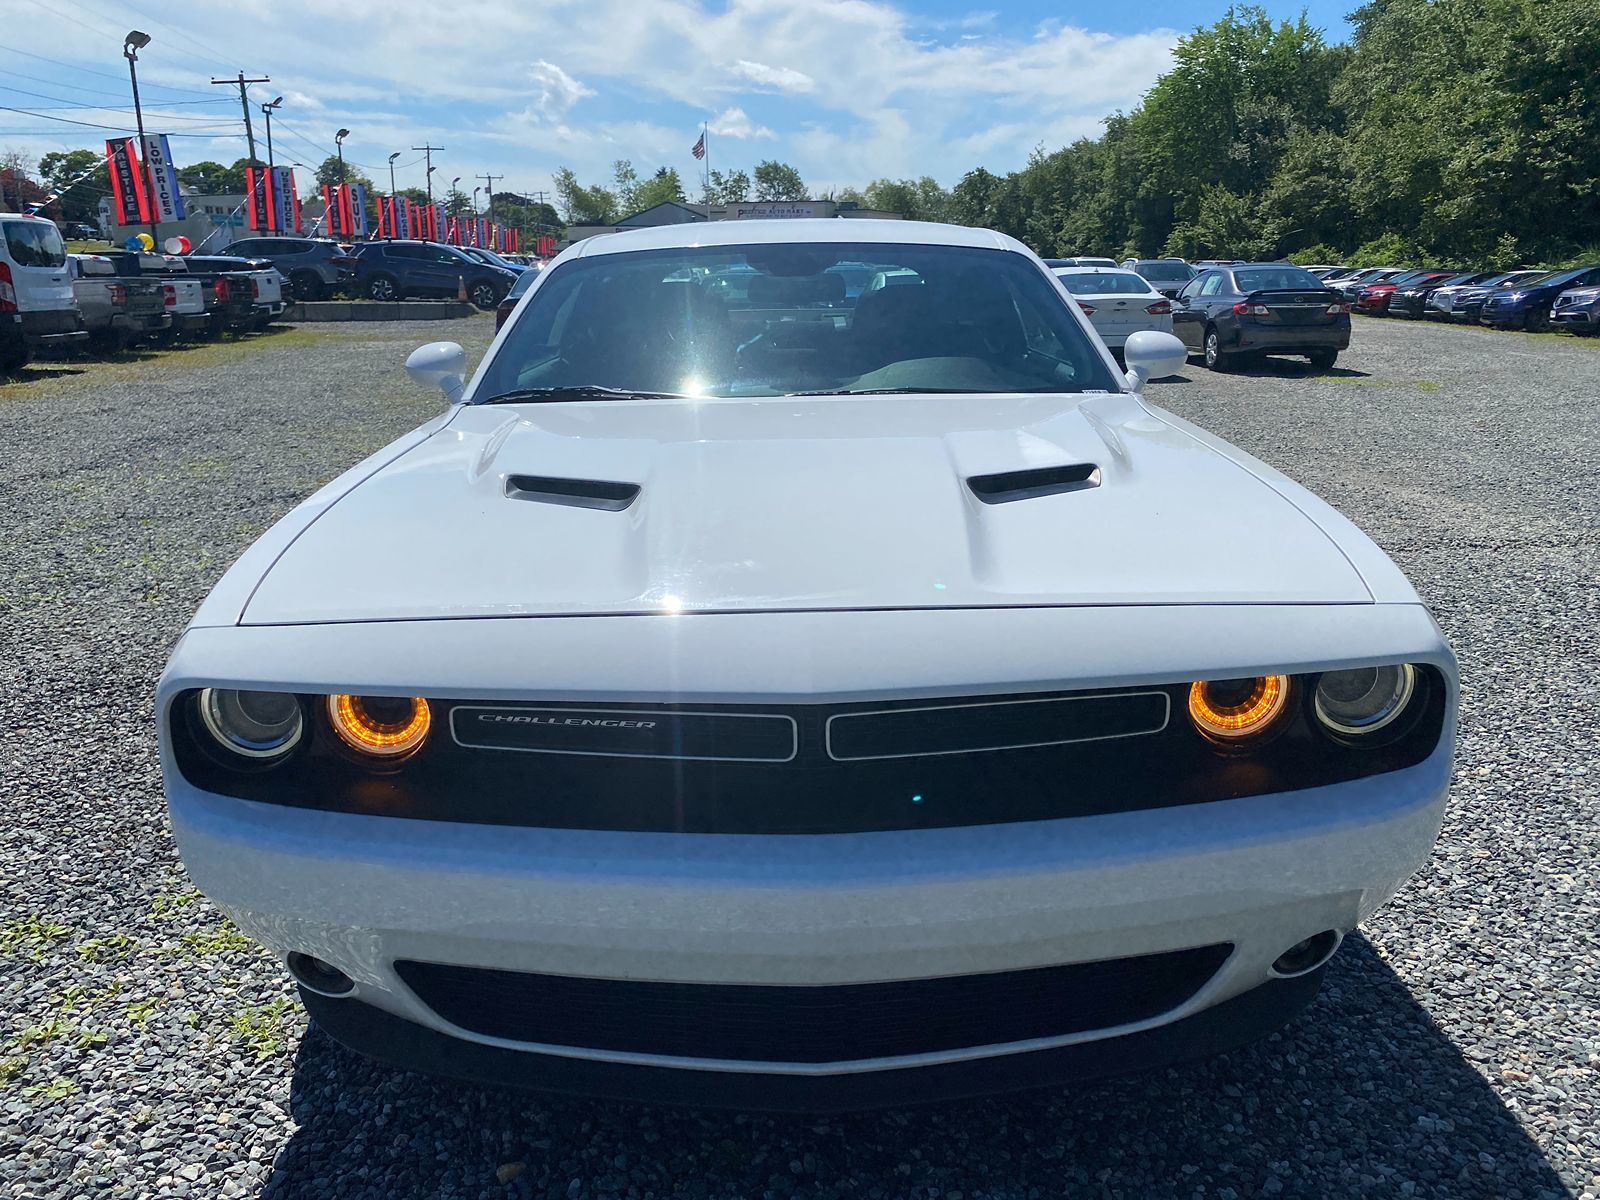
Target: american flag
699, 150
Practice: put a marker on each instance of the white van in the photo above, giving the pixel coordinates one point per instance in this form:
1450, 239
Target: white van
36, 302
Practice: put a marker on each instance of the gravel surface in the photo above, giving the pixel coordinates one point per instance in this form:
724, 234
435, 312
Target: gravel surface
146, 1049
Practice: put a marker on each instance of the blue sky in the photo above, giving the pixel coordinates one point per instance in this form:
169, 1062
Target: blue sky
846, 90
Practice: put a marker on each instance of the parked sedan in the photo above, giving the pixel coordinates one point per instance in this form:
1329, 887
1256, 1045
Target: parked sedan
1462, 302
1262, 308
393, 270
508, 302
1577, 310
757, 705
1350, 286
1528, 305
1166, 275
1117, 303
1373, 299
1411, 299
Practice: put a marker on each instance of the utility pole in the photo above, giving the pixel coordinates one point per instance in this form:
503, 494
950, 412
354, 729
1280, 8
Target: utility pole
538, 219
429, 181
489, 180
244, 103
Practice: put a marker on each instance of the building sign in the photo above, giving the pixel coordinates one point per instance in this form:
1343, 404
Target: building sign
778, 208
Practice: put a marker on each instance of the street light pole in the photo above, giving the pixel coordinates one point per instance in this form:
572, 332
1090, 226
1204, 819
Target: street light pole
389, 225
267, 110
338, 140
268, 180
131, 45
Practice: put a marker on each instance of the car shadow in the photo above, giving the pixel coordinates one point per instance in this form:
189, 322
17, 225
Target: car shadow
1290, 368
1361, 1094
35, 372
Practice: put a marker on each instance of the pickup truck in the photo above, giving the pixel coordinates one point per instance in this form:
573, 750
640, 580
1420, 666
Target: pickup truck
118, 310
259, 278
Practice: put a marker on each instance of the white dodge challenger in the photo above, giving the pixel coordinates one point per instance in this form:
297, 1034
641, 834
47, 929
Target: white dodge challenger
756, 691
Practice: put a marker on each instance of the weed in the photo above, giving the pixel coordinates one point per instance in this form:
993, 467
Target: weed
224, 939
140, 1011
164, 904
258, 1027
58, 1088
10, 1068
34, 934
117, 945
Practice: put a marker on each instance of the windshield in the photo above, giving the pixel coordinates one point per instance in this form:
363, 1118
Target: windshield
1103, 283
35, 244
1275, 279
768, 320
1168, 272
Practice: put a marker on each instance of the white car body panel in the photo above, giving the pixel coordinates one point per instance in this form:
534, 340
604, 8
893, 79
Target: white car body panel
1118, 314
39, 289
804, 551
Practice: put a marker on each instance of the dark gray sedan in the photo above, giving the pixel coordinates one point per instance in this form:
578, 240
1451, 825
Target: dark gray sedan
1226, 313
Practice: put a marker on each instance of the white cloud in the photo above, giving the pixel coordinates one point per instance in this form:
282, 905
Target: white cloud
556, 91
783, 79
736, 123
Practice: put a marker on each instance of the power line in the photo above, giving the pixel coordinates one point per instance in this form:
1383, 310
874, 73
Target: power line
176, 32
26, 112
99, 107
244, 102
56, 62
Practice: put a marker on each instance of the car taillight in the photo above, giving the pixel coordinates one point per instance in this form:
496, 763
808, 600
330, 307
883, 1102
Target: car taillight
1160, 308
255, 288
8, 291
172, 296
222, 290
1336, 308
1245, 309
1088, 309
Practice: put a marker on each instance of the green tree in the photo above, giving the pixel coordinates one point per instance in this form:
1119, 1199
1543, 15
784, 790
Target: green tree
457, 203
778, 181
730, 188
78, 178
210, 178
583, 205
660, 188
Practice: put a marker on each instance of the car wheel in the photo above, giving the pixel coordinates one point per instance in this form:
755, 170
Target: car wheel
305, 285
1323, 360
1216, 360
383, 287
1537, 320
484, 295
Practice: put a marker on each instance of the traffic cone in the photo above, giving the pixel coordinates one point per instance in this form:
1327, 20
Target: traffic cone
461, 288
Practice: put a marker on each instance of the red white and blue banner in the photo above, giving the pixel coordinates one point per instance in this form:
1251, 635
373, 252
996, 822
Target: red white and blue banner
287, 214
166, 200
130, 200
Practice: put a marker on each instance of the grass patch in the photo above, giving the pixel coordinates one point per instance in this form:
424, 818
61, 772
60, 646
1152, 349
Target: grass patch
258, 1028
34, 936
224, 939
117, 945
165, 904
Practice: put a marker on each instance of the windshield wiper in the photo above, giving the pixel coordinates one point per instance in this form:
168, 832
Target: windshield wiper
582, 391
891, 391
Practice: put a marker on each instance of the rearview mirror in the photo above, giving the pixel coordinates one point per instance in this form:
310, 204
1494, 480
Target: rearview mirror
1152, 355
442, 365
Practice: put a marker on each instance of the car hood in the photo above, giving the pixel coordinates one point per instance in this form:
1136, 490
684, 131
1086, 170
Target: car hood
802, 503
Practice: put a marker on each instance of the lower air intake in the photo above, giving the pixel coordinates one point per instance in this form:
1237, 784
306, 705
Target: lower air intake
835, 1023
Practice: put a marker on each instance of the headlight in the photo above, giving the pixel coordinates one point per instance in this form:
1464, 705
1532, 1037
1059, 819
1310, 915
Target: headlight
1358, 703
256, 725
1235, 710
387, 727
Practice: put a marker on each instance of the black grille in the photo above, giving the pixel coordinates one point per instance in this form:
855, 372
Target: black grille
837, 1023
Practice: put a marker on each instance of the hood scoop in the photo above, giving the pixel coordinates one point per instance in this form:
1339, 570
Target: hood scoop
1033, 482
572, 493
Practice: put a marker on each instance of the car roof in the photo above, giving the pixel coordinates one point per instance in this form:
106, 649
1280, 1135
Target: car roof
789, 231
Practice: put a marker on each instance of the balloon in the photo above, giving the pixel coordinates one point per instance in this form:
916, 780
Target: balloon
135, 242
173, 245
184, 244
146, 242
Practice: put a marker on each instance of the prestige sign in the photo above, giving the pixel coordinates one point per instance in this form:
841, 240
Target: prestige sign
779, 208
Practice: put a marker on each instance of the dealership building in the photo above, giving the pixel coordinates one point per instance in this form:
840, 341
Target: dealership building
671, 212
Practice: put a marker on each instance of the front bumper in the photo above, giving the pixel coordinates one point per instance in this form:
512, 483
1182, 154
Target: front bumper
365, 892
1576, 317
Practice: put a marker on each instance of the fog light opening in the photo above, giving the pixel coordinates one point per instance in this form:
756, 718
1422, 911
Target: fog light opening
1306, 956
314, 975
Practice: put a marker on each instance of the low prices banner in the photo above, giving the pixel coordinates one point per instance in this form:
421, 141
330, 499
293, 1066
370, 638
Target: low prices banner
166, 200
130, 200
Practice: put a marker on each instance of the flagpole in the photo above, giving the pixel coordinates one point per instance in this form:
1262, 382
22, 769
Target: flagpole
705, 137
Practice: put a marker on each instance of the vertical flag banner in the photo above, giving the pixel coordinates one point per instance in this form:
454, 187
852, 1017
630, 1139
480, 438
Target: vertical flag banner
130, 203
545, 246
330, 225
166, 200
347, 216
256, 191
291, 201
358, 205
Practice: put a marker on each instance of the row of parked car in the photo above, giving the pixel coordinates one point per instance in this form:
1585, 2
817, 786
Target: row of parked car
1533, 299
52, 300
395, 269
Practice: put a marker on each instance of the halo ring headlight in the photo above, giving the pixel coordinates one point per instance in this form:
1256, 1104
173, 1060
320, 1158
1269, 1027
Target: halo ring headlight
1232, 711
1358, 703
386, 727
255, 725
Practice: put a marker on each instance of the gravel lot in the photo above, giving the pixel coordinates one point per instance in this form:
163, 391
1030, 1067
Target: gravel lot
146, 1049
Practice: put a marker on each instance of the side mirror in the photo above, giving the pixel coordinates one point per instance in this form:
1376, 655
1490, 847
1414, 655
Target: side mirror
1151, 355
442, 365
